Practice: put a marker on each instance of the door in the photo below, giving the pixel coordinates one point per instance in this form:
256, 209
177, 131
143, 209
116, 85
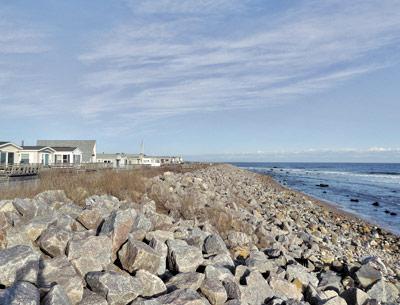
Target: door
45, 159
10, 158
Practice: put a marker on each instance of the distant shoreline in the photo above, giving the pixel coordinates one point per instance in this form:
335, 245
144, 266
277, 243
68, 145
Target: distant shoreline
326, 204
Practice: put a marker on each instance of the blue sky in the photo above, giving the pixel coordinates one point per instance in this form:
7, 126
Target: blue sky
213, 80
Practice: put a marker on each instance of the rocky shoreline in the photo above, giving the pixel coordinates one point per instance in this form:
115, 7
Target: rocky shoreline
218, 235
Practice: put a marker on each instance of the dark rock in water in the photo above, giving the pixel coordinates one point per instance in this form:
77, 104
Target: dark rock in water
376, 204
393, 213
354, 200
387, 211
324, 192
322, 185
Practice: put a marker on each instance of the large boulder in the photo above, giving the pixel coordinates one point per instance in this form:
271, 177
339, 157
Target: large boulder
54, 240
117, 288
192, 280
214, 291
355, 296
368, 275
285, 290
302, 274
383, 291
214, 244
135, 255
59, 270
56, 296
90, 218
92, 298
117, 226
256, 290
182, 257
152, 285
19, 263
90, 254
21, 293
161, 248
182, 297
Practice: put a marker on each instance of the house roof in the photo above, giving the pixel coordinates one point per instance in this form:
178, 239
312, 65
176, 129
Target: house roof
87, 147
110, 156
4, 143
64, 148
37, 148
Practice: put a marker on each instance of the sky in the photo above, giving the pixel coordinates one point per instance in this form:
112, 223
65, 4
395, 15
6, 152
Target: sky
224, 80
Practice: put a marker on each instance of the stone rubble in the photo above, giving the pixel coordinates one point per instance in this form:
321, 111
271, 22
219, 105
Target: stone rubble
218, 235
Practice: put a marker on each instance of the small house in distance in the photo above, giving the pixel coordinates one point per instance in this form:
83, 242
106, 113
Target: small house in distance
37, 155
9, 153
67, 155
86, 147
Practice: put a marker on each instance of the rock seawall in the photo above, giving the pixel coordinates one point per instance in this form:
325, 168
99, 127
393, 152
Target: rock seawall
218, 235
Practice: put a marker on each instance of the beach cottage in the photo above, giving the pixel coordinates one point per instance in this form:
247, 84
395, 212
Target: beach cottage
86, 147
37, 155
67, 155
9, 153
115, 160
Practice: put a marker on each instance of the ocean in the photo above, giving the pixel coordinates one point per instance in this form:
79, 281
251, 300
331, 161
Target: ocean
370, 191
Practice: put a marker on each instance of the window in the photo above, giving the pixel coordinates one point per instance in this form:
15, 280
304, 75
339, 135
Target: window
24, 158
65, 158
3, 157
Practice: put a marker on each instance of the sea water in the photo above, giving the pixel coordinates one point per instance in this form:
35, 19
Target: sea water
370, 191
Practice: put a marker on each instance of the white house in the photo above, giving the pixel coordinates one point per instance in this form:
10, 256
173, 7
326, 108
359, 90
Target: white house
116, 160
67, 155
9, 153
87, 147
36, 155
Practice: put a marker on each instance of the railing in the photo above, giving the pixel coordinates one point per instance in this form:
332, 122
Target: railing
13, 170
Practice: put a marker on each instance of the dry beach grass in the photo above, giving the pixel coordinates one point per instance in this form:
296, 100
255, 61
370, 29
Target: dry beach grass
123, 184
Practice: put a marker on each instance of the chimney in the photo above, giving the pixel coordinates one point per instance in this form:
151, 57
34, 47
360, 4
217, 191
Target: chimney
22, 143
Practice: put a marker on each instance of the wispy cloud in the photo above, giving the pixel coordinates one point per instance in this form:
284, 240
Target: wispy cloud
163, 66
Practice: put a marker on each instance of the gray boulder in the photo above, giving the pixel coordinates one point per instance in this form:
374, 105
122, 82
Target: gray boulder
383, 291
192, 280
260, 262
135, 255
182, 297
56, 296
59, 270
368, 275
302, 274
232, 289
330, 280
54, 240
256, 290
182, 257
152, 285
19, 263
90, 254
90, 219
117, 226
214, 291
141, 222
285, 290
214, 245
218, 272
117, 288
161, 248
355, 296
92, 298
238, 239
21, 293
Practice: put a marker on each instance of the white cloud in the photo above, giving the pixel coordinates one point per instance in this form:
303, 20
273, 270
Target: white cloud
163, 67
